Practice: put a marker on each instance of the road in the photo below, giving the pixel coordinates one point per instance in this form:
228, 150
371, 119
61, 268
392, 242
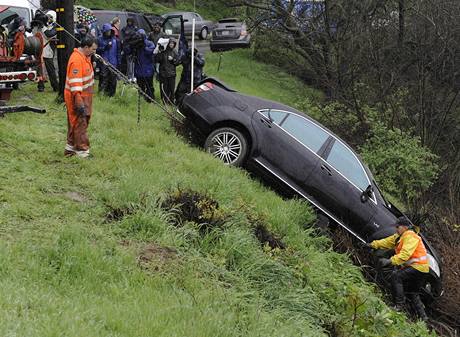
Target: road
202, 45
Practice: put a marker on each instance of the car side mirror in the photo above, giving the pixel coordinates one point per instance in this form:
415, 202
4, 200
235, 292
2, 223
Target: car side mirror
367, 194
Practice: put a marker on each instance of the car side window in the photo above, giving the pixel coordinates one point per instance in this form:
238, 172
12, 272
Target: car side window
305, 131
346, 162
276, 116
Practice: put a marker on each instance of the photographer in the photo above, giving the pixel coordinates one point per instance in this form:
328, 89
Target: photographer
185, 79
129, 38
109, 48
168, 60
143, 65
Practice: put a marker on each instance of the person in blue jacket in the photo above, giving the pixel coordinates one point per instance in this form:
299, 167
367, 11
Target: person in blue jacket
110, 49
143, 64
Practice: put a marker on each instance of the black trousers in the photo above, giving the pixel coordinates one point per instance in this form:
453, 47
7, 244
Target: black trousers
51, 70
107, 81
146, 84
409, 281
167, 86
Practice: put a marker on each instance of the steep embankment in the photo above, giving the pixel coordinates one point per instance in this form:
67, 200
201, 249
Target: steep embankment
97, 248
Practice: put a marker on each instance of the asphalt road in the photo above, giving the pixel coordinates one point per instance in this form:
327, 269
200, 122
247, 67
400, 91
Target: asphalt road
202, 45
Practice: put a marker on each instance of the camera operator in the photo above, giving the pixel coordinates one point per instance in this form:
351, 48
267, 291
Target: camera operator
128, 38
109, 48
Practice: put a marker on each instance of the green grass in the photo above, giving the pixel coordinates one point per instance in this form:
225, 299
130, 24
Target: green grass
66, 271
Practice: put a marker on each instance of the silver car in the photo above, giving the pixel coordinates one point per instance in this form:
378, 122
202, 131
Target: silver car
202, 27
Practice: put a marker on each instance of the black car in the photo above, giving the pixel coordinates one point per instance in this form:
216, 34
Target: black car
229, 34
106, 16
288, 147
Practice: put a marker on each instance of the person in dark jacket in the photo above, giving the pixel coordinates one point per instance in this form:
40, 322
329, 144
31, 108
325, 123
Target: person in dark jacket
128, 36
143, 68
109, 48
81, 30
185, 79
168, 60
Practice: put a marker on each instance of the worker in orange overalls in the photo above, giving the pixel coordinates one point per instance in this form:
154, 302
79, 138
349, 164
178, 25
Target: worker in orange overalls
411, 258
78, 96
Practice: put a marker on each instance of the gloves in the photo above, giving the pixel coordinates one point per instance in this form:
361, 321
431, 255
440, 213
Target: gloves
384, 262
368, 245
81, 111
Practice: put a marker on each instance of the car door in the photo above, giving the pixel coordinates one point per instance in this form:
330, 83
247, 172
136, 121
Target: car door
339, 181
288, 144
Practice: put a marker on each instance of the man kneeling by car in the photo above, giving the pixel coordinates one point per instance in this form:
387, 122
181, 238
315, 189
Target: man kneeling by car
412, 260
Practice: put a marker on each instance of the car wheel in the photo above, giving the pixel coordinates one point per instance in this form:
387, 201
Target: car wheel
228, 145
204, 33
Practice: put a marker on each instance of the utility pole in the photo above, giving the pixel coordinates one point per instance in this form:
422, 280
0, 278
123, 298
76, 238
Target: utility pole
64, 10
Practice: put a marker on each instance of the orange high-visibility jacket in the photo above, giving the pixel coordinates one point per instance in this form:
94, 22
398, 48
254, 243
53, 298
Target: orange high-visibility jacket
410, 250
79, 84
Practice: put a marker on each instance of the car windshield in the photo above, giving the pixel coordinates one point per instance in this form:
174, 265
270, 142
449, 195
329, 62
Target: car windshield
9, 13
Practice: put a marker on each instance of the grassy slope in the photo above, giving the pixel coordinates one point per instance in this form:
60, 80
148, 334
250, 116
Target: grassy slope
65, 271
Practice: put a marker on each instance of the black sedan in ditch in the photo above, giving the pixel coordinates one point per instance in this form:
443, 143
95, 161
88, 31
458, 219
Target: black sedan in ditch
291, 149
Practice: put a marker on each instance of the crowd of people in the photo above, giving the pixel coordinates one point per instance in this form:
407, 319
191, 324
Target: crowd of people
142, 56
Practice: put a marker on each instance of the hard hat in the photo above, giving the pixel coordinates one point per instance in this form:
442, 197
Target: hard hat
52, 15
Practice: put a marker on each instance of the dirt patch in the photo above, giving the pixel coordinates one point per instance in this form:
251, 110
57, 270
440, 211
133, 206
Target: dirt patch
75, 196
154, 257
266, 237
192, 206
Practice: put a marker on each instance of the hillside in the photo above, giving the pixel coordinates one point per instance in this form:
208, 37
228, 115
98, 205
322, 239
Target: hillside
102, 247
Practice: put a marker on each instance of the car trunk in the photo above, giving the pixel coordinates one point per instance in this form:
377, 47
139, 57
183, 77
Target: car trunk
227, 32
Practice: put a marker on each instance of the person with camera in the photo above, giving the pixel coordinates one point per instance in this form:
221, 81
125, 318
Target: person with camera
168, 60
129, 38
109, 48
186, 76
143, 67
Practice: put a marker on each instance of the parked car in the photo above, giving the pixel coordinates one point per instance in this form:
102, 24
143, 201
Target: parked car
202, 27
296, 152
228, 34
106, 16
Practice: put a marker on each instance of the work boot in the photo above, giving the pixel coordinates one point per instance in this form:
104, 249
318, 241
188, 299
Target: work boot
399, 307
419, 307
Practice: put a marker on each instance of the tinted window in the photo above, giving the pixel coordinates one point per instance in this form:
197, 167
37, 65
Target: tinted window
344, 161
276, 115
308, 133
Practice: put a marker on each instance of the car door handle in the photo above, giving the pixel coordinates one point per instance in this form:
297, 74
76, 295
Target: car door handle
266, 122
327, 169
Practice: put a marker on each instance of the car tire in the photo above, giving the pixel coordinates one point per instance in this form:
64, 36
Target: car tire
203, 33
228, 145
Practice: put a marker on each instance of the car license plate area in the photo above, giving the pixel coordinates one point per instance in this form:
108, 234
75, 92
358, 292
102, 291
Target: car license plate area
225, 32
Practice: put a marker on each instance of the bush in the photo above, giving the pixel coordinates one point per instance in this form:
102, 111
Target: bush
402, 166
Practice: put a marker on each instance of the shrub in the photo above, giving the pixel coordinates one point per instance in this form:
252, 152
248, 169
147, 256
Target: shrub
403, 167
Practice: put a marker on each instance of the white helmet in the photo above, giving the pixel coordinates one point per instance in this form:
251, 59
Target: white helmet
52, 15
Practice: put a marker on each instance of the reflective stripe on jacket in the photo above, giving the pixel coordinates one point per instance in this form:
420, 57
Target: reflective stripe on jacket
410, 250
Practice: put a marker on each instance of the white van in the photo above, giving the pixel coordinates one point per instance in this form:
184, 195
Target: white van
9, 10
